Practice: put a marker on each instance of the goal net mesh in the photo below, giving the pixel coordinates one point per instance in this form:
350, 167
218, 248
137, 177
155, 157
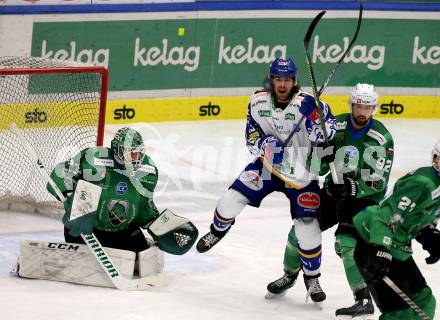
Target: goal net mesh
59, 108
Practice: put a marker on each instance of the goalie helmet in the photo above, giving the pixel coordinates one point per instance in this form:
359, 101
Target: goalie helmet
364, 94
282, 68
128, 147
436, 153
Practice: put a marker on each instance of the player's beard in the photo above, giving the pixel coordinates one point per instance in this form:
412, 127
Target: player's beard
436, 164
361, 120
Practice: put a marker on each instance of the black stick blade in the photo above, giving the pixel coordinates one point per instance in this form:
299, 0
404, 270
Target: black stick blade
312, 26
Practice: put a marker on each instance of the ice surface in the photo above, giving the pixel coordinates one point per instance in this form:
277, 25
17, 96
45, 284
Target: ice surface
197, 161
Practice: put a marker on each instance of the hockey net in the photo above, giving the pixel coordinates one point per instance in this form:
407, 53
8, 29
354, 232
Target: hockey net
59, 106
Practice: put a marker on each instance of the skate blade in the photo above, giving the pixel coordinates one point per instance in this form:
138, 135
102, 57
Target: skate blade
270, 295
362, 317
319, 304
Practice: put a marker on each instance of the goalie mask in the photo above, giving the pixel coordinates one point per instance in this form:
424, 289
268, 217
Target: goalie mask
364, 94
128, 147
436, 157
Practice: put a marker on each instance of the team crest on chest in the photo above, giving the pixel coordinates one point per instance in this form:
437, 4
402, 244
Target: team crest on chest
118, 212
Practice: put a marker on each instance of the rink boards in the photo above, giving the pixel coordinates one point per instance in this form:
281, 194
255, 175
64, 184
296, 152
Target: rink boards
235, 107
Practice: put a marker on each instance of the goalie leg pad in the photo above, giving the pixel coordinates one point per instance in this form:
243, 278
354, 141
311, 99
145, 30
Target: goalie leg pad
69, 262
151, 262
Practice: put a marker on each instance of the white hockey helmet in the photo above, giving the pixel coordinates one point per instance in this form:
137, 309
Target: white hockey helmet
364, 94
436, 152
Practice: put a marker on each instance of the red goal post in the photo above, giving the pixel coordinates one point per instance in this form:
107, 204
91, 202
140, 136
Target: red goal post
59, 106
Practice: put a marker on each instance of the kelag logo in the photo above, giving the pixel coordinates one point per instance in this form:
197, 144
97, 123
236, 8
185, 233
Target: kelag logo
124, 113
391, 108
209, 110
35, 116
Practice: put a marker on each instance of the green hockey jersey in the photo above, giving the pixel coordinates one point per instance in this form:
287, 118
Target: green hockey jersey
413, 205
366, 156
127, 195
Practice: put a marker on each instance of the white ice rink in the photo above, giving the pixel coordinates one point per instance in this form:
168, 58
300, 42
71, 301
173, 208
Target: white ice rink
197, 161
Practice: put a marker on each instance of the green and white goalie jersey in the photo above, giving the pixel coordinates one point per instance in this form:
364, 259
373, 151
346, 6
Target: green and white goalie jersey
126, 197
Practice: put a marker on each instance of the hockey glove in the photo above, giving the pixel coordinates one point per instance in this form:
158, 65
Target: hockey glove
377, 265
271, 149
341, 191
342, 194
308, 108
174, 234
429, 237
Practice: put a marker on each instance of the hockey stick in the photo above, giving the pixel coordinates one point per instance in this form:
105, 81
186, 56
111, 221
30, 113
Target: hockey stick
405, 298
311, 75
118, 280
307, 39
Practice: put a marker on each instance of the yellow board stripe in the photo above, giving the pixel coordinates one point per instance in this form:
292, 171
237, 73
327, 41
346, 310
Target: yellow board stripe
235, 107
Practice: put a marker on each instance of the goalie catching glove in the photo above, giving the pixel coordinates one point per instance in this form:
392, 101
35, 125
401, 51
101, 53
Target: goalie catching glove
173, 234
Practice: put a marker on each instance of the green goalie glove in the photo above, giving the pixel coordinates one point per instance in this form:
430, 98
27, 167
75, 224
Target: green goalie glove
173, 234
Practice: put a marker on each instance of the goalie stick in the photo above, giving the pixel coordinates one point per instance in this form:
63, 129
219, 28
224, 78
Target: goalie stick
405, 298
118, 280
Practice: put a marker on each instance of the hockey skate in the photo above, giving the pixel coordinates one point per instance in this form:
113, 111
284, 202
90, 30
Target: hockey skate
362, 309
279, 287
314, 290
210, 239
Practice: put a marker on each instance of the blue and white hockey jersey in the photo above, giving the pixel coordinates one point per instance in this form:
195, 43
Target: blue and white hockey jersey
264, 118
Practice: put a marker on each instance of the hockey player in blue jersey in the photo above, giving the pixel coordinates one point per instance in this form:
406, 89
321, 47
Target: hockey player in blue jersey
280, 165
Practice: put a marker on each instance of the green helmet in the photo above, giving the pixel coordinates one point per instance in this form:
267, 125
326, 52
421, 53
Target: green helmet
128, 147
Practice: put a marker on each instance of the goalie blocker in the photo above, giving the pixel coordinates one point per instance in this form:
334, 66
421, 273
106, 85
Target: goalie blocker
71, 262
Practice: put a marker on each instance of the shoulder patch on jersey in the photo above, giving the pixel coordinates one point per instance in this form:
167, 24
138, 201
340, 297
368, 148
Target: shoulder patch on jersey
260, 94
436, 193
377, 136
259, 98
261, 91
103, 162
147, 168
341, 125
